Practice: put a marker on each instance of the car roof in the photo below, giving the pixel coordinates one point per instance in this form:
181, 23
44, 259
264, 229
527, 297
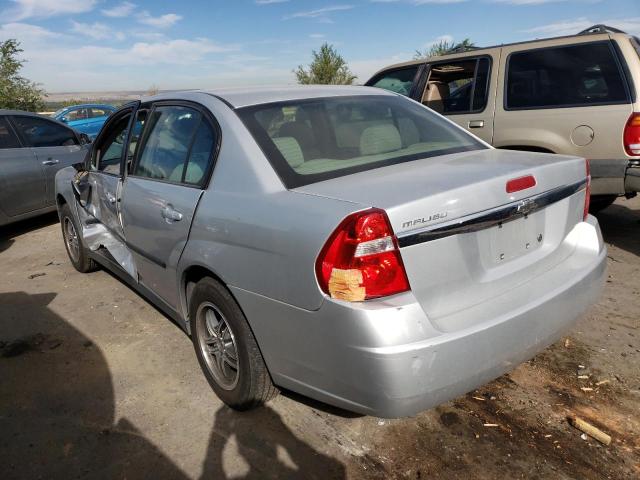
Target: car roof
89, 105
247, 96
594, 36
20, 112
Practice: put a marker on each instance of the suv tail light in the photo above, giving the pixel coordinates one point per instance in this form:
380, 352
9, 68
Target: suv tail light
587, 192
361, 259
632, 135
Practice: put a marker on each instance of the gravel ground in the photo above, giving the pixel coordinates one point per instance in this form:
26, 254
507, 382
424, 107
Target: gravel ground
96, 383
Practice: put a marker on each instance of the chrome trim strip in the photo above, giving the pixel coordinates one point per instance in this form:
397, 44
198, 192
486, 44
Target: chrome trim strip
489, 218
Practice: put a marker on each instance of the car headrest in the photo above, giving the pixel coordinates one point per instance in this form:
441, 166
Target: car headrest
290, 150
380, 139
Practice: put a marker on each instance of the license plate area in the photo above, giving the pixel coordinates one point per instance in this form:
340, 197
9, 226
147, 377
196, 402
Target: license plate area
514, 239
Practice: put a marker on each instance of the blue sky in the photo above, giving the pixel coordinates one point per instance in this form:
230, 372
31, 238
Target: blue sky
92, 45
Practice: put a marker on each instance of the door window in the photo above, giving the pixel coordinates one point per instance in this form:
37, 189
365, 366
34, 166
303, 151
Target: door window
172, 132
574, 75
40, 132
99, 112
108, 150
8, 139
399, 81
78, 114
458, 87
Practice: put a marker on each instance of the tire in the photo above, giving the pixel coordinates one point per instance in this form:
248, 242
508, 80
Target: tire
600, 202
218, 325
73, 242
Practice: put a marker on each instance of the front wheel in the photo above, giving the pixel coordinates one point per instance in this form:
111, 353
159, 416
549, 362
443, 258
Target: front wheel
226, 348
73, 242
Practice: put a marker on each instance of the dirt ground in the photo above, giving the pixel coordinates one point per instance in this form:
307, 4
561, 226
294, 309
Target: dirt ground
95, 382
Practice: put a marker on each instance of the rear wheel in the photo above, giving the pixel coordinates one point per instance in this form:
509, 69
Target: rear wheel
73, 242
226, 348
600, 202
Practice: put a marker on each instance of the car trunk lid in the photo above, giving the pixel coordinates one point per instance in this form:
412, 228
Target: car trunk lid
463, 238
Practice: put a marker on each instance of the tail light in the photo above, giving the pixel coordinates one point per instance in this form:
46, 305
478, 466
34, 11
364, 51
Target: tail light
632, 135
587, 192
361, 259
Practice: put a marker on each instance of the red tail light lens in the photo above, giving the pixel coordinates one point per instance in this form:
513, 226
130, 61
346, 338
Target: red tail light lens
587, 192
361, 259
632, 135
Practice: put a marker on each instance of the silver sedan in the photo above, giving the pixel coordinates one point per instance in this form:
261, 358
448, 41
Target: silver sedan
32, 150
345, 243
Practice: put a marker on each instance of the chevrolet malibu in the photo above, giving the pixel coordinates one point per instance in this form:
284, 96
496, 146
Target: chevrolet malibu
345, 243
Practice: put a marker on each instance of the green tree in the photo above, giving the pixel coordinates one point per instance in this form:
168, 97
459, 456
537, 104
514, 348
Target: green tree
327, 68
17, 92
443, 47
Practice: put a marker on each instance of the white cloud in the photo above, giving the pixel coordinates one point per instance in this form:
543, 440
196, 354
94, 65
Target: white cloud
316, 35
269, 2
96, 30
122, 10
319, 13
24, 9
365, 68
27, 34
571, 27
163, 21
441, 38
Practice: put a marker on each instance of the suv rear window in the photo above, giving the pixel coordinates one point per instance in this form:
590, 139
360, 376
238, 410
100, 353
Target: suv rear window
308, 141
570, 76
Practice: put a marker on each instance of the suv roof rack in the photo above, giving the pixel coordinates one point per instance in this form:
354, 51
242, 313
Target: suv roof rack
600, 28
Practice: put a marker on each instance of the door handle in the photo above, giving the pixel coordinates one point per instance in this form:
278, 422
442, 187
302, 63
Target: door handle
51, 161
111, 198
476, 124
170, 214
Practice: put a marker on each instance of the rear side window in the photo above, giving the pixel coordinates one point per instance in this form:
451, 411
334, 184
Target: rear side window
40, 132
99, 112
397, 81
308, 141
458, 87
177, 146
576, 75
8, 139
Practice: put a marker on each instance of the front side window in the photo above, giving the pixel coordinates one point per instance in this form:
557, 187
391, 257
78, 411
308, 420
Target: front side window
110, 145
458, 86
166, 151
398, 81
307, 141
8, 139
99, 112
575, 75
40, 132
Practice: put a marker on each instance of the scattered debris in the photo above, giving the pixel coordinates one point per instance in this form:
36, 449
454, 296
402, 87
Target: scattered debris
586, 389
602, 382
583, 377
479, 399
590, 430
36, 275
491, 425
566, 343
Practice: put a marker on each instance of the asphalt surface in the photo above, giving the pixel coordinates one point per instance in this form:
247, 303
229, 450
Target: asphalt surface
96, 383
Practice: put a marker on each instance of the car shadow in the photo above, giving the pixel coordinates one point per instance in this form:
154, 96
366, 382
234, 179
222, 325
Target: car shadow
58, 413
9, 232
620, 226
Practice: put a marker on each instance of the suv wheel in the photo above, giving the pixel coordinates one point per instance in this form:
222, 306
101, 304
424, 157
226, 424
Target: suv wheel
226, 348
73, 242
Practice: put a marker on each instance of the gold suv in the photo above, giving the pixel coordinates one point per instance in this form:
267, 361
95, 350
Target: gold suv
577, 95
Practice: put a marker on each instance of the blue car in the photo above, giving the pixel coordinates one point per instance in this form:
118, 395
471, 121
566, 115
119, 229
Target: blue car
86, 118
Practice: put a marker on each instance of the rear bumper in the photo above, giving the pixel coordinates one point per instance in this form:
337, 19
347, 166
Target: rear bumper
386, 358
615, 177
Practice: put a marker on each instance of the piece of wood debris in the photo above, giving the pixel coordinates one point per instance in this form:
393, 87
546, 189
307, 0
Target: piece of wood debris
491, 425
586, 389
479, 399
590, 430
566, 343
602, 382
583, 377
548, 435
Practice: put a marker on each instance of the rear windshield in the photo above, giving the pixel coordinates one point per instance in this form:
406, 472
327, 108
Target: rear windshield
308, 141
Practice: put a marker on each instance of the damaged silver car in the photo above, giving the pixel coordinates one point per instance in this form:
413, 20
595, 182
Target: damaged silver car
345, 243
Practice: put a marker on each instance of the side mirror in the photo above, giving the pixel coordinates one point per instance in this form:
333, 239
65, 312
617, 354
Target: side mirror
84, 139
